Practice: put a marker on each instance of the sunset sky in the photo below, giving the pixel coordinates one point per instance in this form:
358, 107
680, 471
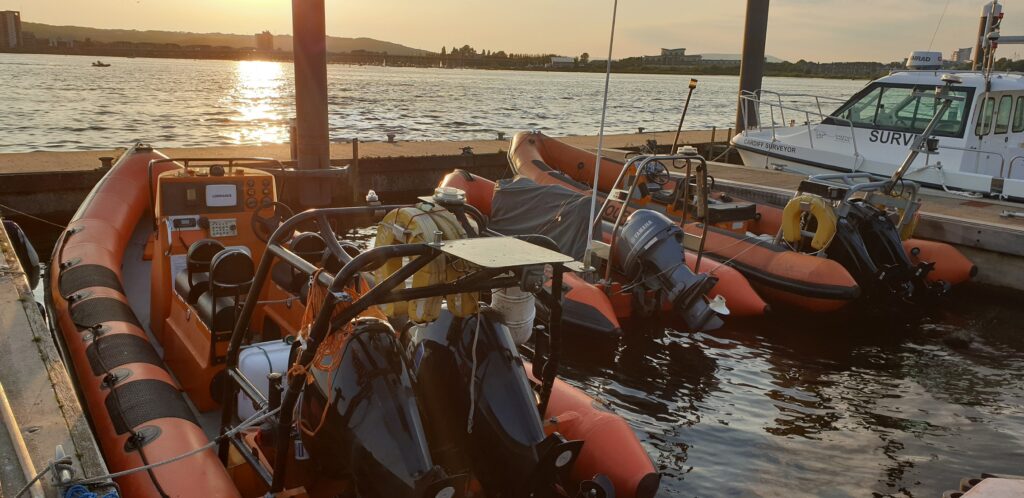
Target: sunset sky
820, 30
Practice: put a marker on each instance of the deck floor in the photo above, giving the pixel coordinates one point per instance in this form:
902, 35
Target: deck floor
934, 202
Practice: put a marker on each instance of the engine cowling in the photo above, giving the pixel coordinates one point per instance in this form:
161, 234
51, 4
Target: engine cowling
649, 246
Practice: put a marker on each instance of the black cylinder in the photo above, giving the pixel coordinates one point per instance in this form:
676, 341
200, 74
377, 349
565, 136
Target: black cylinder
752, 64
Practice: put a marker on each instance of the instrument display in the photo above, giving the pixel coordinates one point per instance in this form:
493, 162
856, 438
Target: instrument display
223, 227
222, 195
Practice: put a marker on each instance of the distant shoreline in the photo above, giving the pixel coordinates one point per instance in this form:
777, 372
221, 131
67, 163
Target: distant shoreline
436, 62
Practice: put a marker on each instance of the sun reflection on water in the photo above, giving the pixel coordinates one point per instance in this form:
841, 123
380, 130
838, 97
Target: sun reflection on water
258, 86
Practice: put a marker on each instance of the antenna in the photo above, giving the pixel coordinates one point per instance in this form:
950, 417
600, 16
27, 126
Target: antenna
937, 26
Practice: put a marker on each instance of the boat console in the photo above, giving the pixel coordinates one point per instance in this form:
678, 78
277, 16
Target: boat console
210, 222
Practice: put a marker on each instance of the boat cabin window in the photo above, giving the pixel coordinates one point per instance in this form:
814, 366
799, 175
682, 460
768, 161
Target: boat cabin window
862, 112
1003, 114
985, 112
1018, 116
903, 108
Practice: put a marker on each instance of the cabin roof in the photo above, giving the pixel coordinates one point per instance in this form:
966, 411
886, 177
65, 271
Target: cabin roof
1001, 82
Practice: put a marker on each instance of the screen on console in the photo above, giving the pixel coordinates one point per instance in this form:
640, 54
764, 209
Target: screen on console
225, 195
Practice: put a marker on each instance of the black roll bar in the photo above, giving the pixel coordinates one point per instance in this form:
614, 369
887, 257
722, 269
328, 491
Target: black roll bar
383, 292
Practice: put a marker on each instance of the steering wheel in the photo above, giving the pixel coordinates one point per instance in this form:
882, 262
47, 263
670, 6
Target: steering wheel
264, 226
656, 173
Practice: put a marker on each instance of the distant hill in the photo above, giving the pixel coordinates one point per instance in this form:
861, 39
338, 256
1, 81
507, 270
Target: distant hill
732, 57
282, 42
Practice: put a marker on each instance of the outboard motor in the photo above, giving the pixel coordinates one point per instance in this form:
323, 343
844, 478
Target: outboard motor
649, 245
480, 411
868, 245
371, 431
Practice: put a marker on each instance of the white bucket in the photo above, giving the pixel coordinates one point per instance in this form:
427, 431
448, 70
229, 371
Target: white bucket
518, 311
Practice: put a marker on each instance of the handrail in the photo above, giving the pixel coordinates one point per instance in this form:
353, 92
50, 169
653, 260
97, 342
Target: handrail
639, 164
1009, 172
1002, 158
755, 97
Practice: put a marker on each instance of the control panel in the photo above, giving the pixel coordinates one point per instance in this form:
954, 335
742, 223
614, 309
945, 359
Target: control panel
223, 227
258, 191
183, 223
240, 190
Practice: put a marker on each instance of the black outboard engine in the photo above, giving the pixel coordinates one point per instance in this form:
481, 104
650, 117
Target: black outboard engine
481, 414
649, 245
868, 245
371, 432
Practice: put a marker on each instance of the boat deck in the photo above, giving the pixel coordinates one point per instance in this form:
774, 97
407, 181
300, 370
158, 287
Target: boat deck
37, 397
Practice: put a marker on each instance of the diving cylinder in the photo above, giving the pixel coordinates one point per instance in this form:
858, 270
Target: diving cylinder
517, 308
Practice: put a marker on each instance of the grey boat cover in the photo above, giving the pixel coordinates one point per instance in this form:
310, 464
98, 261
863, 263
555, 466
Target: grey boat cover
521, 206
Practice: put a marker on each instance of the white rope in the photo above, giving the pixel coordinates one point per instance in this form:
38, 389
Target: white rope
48, 222
257, 418
51, 467
287, 300
472, 378
600, 140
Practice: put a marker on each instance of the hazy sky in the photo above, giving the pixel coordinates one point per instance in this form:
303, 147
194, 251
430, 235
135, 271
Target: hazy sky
821, 30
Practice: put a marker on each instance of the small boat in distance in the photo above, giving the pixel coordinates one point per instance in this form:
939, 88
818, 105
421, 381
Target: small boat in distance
100, 64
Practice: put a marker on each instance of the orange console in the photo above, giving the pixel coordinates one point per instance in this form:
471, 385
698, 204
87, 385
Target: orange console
208, 236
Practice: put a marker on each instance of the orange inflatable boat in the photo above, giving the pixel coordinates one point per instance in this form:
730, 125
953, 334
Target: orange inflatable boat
599, 307
191, 307
774, 248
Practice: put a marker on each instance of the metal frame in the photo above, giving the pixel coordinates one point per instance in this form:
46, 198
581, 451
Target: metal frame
877, 191
383, 292
639, 164
756, 98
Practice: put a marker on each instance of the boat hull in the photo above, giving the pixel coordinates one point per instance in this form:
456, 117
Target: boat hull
784, 278
135, 405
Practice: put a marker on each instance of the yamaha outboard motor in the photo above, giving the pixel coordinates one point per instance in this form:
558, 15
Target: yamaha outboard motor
649, 246
371, 431
868, 245
480, 411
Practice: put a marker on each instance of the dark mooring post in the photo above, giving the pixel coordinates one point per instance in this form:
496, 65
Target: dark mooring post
309, 38
752, 65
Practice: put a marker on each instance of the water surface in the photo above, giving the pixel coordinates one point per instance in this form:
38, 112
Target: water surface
53, 102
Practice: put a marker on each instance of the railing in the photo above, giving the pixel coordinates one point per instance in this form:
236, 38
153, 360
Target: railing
1009, 172
758, 97
1004, 171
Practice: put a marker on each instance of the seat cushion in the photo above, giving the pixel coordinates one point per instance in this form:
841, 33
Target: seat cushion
725, 212
191, 293
224, 321
287, 277
663, 196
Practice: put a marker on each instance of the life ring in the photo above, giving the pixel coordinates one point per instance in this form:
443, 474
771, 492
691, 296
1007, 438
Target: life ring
908, 229
417, 225
819, 208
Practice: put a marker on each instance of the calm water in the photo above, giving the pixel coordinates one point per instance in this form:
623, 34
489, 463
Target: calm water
62, 103
785, 406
